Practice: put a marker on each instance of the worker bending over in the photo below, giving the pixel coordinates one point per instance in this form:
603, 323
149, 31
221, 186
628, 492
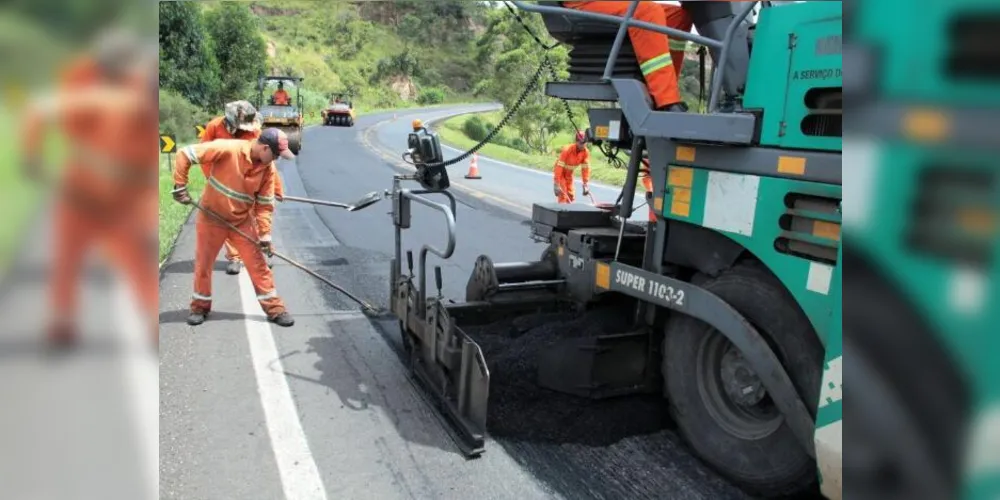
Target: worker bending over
240, 121
660, 59
106, 193
240, 190
571, 157
280, 96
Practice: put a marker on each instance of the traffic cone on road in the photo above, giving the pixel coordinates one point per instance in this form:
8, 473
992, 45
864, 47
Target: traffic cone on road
473, 168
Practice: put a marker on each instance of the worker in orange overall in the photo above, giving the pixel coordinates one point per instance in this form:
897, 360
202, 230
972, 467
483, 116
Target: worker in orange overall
660, 59
647, 183
572, 156
240, 190
240, 121
281, 97
106, 197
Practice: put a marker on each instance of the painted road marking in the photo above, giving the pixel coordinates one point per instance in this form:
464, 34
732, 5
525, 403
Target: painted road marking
142, 373
300, 477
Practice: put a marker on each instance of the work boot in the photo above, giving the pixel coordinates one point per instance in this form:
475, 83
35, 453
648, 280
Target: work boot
283, 319
234, 267
677, 107
196, 318
61, 337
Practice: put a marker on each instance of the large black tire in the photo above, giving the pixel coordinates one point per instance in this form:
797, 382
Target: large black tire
749, 443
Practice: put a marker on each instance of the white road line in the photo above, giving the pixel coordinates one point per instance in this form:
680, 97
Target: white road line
142, 372
300, 477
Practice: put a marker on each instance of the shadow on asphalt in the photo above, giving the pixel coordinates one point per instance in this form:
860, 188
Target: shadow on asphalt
180, 316
187, 267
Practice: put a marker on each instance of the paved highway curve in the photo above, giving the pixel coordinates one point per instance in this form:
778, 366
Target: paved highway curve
325, 409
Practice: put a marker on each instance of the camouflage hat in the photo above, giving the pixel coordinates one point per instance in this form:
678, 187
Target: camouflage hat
243, 116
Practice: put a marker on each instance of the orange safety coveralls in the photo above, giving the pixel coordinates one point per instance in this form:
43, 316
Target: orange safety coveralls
281, 97
216, 129
647, 183
655, 51
569, 158
241, 192
107, 194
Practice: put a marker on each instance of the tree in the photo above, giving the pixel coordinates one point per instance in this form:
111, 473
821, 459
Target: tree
510, 56
187, 63
238, 46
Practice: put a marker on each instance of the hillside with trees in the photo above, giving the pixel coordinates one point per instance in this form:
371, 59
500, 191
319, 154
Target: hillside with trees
391, 54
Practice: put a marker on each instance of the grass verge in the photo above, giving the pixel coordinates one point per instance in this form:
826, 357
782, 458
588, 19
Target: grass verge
450, 131
173, 215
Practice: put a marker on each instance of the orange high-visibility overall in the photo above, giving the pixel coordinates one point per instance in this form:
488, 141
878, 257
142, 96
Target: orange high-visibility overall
659, 59
107, 194
281, 97
562, 172
242, 193
216, 129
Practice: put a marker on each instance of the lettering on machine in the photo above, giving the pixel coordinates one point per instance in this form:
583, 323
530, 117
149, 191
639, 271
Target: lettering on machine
655, 289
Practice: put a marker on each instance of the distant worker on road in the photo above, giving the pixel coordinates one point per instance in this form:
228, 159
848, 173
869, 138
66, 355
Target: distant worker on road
240, 121
240, 189
572, 156
660, 58
281, 97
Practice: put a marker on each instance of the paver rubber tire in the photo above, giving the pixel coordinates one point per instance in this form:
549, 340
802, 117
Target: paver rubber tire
749, 444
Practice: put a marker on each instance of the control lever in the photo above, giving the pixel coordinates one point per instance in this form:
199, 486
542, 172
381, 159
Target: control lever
409, 262
437, 280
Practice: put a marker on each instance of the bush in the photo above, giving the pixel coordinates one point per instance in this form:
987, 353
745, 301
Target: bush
432, 95
474, 129
178, 117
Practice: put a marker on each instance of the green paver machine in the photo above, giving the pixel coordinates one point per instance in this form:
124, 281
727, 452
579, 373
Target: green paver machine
735, 286
921, 240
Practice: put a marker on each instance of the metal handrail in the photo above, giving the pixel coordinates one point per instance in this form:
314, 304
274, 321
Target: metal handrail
444, 254
627, 22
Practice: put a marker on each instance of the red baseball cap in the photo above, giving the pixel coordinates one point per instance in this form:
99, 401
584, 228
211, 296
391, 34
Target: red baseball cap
277, 141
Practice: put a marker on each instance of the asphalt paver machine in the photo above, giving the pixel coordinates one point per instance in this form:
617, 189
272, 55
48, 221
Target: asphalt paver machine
734, 287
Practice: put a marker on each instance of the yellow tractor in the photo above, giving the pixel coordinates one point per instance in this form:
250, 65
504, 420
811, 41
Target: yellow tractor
281, 111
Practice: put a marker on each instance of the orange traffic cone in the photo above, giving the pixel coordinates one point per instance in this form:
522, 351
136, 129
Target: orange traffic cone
473, 168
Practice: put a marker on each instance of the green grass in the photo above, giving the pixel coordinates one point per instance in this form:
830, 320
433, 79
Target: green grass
450, 131
173, 215
20, 197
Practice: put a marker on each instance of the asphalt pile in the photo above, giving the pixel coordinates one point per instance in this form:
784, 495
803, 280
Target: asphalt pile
623, 447
521, 409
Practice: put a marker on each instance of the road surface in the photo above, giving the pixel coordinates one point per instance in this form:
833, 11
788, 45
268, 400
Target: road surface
325, 409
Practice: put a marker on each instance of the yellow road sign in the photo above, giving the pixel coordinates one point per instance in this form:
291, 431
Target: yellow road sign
167, 144
200, 129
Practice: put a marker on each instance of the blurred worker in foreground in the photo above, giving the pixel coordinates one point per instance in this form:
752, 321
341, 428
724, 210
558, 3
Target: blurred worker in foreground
571, 157
240, 190
106, 109
240, 121
281, 97
660, 59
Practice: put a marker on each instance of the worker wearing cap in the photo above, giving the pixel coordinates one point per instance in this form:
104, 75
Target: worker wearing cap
572, 156
240, 121
417, 125
240, 190
660, 58
106, 192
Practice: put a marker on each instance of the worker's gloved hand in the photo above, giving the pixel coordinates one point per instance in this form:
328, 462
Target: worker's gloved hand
267, 248
556, 190
586, 189
279, 197
181, 195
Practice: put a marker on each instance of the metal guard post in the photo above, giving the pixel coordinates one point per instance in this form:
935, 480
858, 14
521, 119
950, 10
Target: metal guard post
444, 254
713, 100
619, 39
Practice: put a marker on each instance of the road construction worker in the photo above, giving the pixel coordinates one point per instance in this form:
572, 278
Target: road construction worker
106, 196
660, 58
646, 177
281, 97
417, 125
240, 121
572, 156
240, 190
